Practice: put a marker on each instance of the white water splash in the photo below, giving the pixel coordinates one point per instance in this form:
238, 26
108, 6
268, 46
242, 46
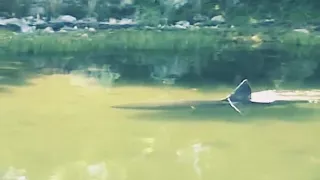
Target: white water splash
150, 143
81, 170
194, 150
174, 68
98, 171
147, 150
108, 77
98, 77
14, 174
78, 78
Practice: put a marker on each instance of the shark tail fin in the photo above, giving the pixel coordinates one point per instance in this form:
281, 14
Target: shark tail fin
242, 93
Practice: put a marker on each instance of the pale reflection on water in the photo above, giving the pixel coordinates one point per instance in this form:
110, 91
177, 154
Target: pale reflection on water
94, 77
82, 170
14, 174
56, 130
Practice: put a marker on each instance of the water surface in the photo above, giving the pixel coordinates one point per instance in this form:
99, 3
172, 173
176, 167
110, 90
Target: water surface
58, 127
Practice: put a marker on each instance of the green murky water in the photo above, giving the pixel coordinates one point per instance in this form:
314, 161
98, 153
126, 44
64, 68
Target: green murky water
58, 127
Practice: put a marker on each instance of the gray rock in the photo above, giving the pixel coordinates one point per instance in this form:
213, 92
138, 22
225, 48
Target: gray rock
62, 31
306, 31
39, 23
48, 30
118, 24
182, 24
85, 35
218, 19
17, 25
198, 18
91, 29
264, 22
68, 29
126, 21
62, 21
87, 23
67, 19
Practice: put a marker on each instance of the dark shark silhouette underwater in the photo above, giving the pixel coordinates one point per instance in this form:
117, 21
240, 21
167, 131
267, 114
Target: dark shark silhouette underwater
242, 95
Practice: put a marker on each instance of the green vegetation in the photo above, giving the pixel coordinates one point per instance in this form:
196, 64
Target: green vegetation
196, 40
221, 53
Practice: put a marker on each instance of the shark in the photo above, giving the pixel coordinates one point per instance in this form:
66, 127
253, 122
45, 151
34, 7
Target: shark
241, 96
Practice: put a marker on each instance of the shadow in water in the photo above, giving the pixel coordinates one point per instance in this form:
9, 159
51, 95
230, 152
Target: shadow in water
15, 73
3, 90
285, 113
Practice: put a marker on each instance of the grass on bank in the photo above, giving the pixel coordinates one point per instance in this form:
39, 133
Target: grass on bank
148, 40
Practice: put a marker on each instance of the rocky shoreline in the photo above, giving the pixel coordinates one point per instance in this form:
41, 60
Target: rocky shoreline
70, 23
65, 23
